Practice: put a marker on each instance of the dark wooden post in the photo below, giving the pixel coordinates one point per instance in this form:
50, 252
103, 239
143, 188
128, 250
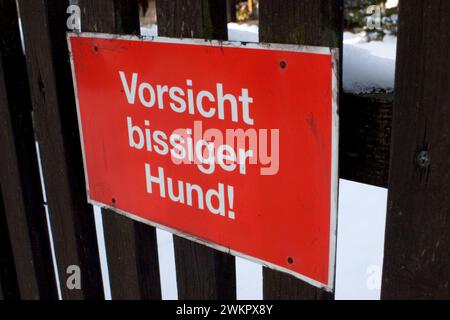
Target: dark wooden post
231, 11
131, 247
55, 120
192, 19
19, 171
307, 22
417, 243
9, 288
202, 273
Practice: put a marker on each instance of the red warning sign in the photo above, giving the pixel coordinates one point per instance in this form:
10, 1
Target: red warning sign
232, 145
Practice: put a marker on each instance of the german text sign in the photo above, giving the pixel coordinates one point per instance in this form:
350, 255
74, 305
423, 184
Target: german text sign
232, 145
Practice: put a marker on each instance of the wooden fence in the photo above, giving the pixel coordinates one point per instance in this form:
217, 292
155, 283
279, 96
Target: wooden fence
37, 103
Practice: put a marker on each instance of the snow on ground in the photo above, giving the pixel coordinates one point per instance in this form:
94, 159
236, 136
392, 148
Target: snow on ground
243, 32
368, 65
362, 208
360, 243
166, 257
150, 30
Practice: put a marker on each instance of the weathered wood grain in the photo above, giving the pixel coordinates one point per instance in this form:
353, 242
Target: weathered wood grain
365, 137
19, 172
56, 127
9, 288
417, 243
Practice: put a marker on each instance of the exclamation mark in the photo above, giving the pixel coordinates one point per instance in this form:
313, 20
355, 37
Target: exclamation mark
231, 202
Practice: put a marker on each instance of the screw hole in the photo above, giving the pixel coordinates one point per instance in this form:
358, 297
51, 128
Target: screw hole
290, 260
95, 48
113, 201
283, 64
423, 159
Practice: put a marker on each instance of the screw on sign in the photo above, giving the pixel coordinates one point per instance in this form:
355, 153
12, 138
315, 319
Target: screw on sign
211, 141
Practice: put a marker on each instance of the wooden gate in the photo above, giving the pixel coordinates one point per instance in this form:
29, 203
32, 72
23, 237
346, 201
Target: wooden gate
37, 108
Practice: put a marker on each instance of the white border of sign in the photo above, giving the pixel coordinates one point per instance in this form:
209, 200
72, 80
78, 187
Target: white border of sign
335, 141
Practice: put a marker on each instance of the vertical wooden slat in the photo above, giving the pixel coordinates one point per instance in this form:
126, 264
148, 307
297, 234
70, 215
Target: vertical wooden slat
192, 19
132, 258
417, 243
202, 272
131, 246
231, 11
55, 119
19, 172
9, 288
306, 22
